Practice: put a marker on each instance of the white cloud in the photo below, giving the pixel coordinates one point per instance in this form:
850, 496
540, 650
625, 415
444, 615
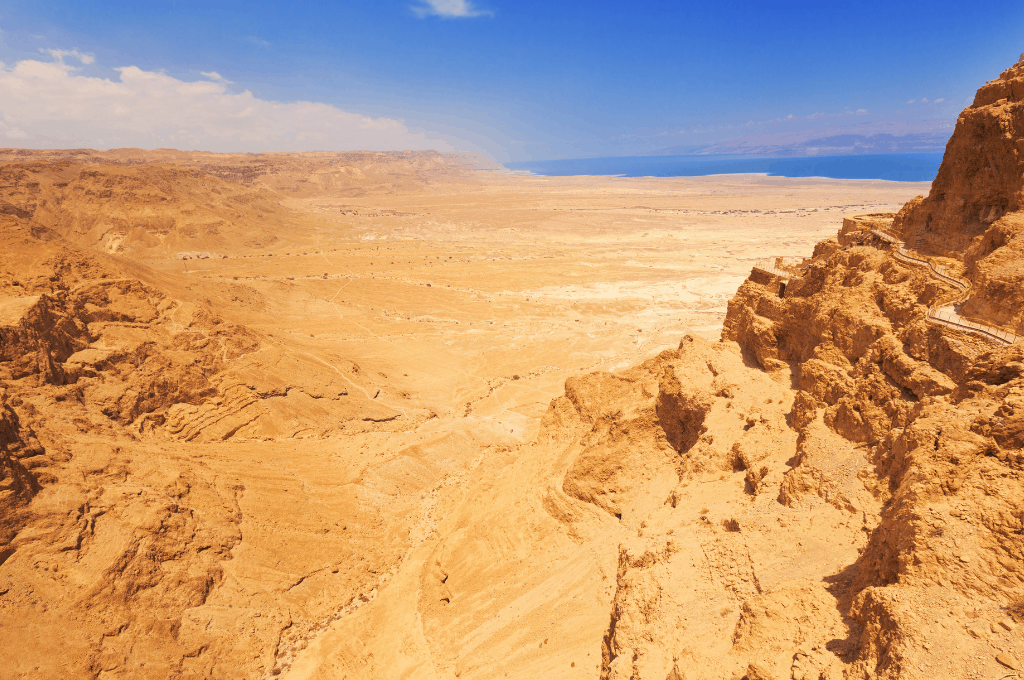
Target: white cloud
861, 112
925, 100
213, 75
59, 55
449, 9
50, 104
11, 132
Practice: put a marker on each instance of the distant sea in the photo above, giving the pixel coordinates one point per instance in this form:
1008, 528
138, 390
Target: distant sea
900, 167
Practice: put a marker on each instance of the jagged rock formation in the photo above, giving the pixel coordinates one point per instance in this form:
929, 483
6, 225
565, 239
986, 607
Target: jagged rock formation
22, 471
930, 408
975, 212
927, 413
851, 335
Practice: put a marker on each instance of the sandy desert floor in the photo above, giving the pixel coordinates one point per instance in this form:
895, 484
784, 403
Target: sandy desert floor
481, 300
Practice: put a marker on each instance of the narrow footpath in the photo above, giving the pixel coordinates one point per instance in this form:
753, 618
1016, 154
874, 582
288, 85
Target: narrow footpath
944, 311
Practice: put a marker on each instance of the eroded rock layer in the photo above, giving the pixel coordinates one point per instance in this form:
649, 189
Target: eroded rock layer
908, 428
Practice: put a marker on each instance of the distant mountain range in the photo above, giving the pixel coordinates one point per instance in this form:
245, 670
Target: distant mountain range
866, 138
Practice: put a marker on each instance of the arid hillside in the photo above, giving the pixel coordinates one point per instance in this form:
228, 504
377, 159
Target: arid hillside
974, 212
300, 174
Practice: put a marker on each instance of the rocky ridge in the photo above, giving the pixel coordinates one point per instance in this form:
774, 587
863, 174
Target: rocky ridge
295, 175
923, 417
972, 214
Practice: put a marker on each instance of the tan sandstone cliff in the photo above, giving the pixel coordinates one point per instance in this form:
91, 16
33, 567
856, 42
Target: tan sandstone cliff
973, 212
909, 428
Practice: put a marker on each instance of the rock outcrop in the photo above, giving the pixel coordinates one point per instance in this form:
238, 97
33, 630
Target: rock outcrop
932, 407
974, 212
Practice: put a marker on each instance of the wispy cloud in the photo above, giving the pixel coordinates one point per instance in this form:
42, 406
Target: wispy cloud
213, 75
924, 100
257, 41
60, 55
52, 104
784, 121
449, 9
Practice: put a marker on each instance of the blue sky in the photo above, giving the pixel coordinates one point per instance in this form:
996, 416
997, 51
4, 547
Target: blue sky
516, 80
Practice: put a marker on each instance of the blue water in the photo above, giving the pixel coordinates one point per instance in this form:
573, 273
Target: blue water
903, 167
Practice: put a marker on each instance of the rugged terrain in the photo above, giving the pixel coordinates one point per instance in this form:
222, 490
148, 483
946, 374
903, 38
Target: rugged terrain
406, 415
834, 490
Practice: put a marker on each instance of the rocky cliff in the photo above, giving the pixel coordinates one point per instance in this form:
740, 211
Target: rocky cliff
973, 213
910, 429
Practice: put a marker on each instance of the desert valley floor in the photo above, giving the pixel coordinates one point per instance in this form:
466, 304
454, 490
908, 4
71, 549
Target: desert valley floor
478, 301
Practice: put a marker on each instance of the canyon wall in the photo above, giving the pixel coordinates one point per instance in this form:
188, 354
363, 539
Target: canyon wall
911, 429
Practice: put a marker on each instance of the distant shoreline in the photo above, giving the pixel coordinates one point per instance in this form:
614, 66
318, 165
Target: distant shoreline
901, 167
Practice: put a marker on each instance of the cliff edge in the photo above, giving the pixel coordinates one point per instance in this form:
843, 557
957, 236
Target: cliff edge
973, 212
